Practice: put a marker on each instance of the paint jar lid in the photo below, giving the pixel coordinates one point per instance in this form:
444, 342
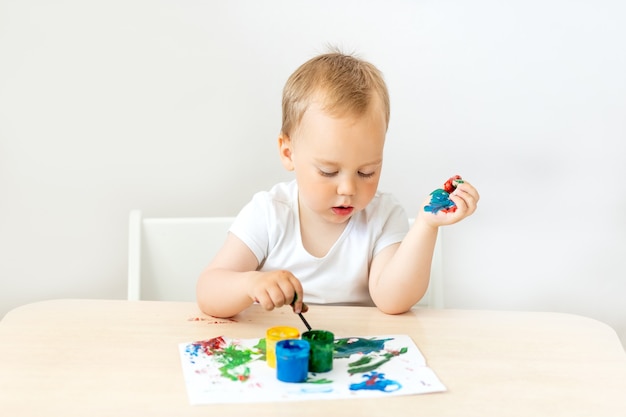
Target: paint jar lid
282, 332
292, 348
321, 336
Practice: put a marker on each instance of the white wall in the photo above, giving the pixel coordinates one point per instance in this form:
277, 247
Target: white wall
174, 107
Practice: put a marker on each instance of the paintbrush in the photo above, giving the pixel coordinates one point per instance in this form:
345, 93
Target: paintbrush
306, 323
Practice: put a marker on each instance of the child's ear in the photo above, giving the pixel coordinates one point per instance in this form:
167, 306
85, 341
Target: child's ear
285, 150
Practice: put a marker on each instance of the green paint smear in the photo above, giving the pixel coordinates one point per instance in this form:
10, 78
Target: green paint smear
363, 364
348, 346
319, 381
362, 361
234, 360
260, 346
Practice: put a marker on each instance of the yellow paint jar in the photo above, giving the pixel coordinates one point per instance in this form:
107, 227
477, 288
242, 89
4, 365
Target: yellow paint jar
273, 335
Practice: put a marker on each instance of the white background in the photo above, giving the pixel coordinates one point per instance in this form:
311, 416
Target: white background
173, 107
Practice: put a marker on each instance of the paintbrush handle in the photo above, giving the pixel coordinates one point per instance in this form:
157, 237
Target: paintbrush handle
306, 323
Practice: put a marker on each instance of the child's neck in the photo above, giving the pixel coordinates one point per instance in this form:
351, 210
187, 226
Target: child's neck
318, 235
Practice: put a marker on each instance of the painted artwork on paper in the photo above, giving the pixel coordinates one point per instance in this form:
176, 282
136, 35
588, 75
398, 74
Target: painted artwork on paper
229, 370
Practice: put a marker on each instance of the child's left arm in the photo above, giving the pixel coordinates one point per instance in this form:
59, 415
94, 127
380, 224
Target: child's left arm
400, 273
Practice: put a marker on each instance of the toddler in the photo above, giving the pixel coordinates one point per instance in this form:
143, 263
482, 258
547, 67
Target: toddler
329, 236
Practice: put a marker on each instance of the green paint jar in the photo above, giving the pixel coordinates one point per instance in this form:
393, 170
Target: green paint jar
322, 344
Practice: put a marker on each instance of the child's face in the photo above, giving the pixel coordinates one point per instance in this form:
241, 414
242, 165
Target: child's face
337, 161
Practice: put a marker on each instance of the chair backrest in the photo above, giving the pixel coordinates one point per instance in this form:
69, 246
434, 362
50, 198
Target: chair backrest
166, 256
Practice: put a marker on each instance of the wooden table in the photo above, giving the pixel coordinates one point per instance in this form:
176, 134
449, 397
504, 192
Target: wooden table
116, 358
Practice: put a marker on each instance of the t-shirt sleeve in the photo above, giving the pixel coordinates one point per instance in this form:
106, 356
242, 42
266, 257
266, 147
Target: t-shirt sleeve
394, 223
251, 226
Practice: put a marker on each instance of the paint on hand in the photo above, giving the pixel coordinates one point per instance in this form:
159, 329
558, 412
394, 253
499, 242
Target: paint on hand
451, 184
440, 198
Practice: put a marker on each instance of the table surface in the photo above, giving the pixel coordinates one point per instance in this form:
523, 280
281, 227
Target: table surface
113, 357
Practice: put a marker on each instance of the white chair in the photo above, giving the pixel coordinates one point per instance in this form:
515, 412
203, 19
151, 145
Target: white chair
166, 256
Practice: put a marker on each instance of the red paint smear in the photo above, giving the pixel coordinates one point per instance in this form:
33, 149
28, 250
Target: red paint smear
449, 185
212, 320
211, 345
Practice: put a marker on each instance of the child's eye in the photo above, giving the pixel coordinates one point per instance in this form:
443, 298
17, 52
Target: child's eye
327, 174
366, 174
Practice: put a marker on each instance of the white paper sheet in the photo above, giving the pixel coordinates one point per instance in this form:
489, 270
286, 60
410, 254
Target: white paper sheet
227, 370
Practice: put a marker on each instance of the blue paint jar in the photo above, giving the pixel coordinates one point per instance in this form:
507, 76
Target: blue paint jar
292, 360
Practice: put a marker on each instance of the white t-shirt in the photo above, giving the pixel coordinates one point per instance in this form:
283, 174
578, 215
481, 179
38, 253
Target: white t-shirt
270, 226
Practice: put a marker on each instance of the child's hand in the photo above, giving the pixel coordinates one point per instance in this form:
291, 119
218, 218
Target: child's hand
276, 289
465, 197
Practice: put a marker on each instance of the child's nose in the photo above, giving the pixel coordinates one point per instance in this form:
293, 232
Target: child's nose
346, 186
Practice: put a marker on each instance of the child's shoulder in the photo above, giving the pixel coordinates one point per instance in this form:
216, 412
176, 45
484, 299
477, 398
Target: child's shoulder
280, 192
382, 206
280, 197
384, 199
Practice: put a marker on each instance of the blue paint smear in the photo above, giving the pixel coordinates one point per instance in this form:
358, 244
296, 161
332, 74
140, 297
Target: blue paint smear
376, 381
348, 346
439, 200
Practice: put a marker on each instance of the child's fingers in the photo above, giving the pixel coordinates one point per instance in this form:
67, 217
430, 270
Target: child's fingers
297, 301
465, 197
278, 296
467, 189
280, 288
265, 300
298, 305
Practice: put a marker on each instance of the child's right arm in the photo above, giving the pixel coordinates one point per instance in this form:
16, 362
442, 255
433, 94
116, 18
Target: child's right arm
231, 283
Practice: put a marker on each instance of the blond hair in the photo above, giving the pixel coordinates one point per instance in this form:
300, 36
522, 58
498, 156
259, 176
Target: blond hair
342, 83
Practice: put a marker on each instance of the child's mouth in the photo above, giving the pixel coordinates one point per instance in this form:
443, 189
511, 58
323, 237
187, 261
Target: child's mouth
342, 210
